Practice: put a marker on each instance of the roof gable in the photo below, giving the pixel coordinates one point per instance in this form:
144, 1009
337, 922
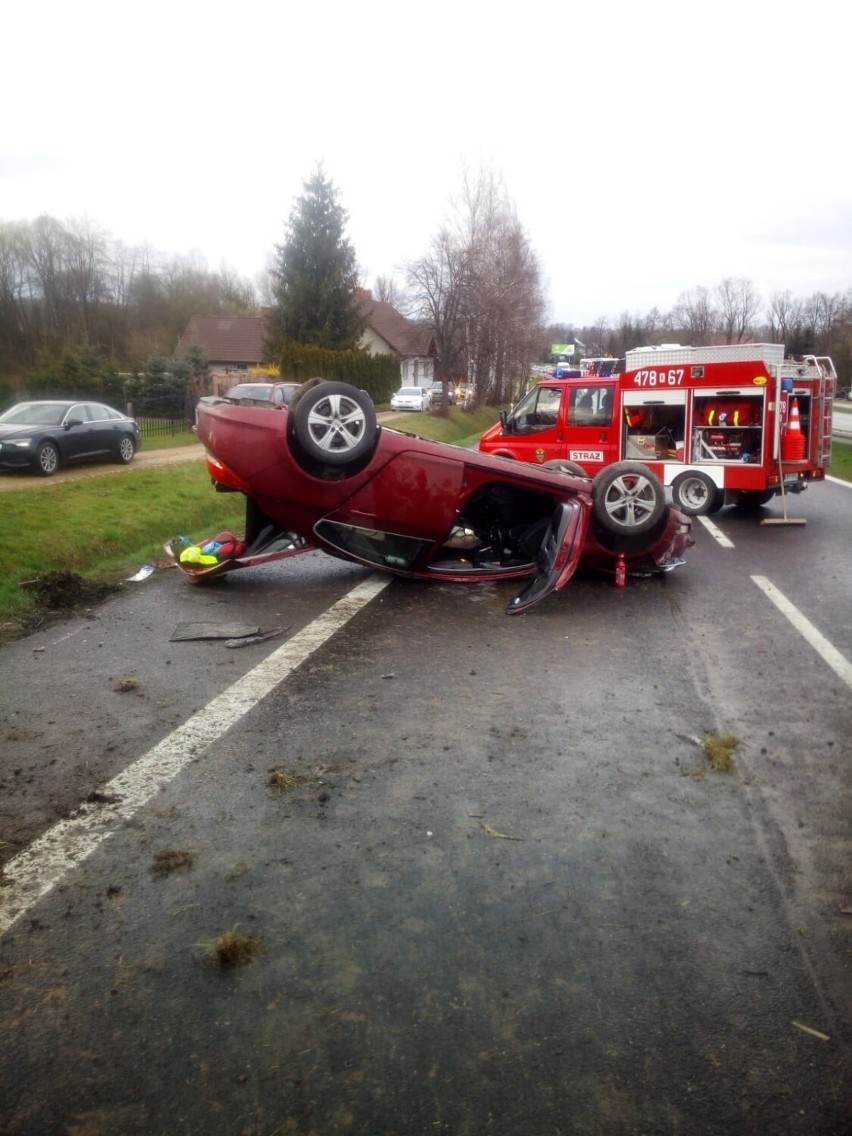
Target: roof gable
226, 339
240, 340
403, 336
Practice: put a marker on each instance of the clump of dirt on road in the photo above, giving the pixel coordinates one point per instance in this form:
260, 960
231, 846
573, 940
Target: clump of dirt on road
719, 751
285, 782
55, 595
64, 591
172, 860
232, 949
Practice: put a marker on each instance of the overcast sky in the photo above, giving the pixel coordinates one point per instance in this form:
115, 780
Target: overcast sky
648, 149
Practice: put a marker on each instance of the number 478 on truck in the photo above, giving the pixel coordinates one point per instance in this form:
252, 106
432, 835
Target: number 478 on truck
717, 425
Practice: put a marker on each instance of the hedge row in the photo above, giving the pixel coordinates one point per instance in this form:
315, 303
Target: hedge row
376, 374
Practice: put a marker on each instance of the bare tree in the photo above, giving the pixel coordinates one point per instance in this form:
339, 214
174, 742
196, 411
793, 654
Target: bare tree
652, 325
785, 317
598, 336
502, 303
695, 314
387, 290
437, 284
86, 261
739, 305
821, 314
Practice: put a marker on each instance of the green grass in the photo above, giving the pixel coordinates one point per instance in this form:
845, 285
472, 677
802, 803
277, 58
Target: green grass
168, 441
105, 528
841, 460
458, 428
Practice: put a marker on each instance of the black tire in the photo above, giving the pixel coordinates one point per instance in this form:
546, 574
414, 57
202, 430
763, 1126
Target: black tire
126, 449
751, 499
571, 469
47, 459
696, 494
628, 498
334, 424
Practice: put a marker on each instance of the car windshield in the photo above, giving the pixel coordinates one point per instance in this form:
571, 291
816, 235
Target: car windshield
35, 414
249, 390
410, 392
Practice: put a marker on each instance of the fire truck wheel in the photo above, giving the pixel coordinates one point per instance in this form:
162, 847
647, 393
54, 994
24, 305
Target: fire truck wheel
628, 498
566, 467
697, 494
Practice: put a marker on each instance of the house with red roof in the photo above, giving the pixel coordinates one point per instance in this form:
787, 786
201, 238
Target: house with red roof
234, 345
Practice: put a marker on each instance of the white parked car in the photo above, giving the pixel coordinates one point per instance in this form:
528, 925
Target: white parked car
410, 398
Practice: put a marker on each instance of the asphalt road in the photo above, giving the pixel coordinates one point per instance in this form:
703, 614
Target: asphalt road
506, 894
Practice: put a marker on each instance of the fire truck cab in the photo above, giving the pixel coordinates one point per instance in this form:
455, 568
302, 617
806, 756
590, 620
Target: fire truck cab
718, 425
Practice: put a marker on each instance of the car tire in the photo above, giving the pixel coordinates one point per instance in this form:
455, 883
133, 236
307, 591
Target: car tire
334, 425
696, 494
570, 469
126, 449
47, 459
628, 498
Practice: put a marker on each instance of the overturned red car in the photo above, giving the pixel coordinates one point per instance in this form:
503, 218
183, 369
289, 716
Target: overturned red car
324, 474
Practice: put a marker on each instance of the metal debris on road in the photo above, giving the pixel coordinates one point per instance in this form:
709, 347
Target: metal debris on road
143, 573
245, 642
185, 631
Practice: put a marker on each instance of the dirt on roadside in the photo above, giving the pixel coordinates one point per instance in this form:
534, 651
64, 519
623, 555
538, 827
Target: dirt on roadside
11, 480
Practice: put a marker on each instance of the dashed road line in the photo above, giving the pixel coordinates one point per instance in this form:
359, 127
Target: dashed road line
37, 869
829, 654
716, 533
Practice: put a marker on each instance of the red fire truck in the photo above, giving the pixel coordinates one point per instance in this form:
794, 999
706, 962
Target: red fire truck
716, 424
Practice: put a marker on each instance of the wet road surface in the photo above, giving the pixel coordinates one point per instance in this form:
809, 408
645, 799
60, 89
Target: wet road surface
506, 893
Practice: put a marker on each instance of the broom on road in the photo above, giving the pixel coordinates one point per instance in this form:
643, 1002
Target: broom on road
793, 441
785, 520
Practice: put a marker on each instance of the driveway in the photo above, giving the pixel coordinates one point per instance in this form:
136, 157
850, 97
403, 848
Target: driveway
10, 481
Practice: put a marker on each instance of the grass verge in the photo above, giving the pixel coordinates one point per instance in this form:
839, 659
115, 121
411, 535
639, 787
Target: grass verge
841, 460
457, 428
169, 441
105, 528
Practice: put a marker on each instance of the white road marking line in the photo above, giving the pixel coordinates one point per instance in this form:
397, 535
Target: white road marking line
838, 481
716, 533
34, 871
829, 654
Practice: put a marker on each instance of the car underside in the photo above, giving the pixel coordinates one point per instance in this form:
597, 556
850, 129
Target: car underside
325, 475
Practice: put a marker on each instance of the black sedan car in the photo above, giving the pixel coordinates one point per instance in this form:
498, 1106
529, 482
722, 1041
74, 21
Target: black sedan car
44, 436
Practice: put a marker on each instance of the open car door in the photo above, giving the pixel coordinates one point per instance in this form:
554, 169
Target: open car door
558, 557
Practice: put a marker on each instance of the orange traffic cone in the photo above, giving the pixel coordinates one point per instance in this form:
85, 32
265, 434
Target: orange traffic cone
793, 441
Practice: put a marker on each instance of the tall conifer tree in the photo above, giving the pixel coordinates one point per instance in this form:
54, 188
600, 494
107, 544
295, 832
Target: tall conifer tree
315, 274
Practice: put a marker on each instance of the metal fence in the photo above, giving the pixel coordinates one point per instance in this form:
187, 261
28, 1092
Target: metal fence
163, 415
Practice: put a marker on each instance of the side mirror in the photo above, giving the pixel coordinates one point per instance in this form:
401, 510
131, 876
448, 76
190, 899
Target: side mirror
504, 420
73, 422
